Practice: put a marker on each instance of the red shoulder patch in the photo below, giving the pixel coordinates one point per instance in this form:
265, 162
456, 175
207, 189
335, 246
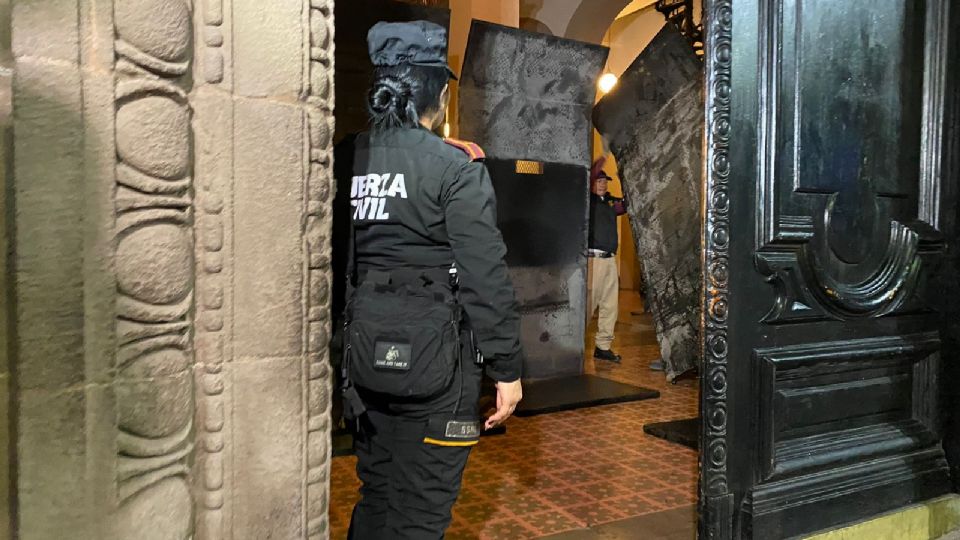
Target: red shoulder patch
472, 150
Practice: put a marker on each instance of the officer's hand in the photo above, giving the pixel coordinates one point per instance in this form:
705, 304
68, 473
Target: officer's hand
509, 395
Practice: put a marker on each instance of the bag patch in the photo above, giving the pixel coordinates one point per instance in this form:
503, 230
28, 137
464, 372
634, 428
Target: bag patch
392, 355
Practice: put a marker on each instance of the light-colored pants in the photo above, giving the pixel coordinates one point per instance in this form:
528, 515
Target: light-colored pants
604, 279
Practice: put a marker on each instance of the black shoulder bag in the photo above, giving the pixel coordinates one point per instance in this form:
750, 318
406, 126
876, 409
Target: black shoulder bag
401, 337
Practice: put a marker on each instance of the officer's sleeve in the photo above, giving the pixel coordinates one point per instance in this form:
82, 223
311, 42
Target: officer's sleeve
485, 288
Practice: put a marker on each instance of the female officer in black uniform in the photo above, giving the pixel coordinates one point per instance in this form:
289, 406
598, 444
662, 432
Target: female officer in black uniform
419, 335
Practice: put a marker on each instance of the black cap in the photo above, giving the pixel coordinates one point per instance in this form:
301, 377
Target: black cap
421, 43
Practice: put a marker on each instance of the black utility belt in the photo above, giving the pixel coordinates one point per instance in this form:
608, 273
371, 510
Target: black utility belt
408, 276
600, 254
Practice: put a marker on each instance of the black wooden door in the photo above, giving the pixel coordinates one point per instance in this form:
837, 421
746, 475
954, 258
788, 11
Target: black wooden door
827, 180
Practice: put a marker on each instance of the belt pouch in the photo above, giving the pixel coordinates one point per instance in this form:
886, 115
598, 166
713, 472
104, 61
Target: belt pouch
402, 342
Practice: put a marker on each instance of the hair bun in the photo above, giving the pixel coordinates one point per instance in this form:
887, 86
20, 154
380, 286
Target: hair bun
400, 94
389, 94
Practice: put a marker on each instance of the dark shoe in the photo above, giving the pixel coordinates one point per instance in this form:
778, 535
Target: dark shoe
607, 355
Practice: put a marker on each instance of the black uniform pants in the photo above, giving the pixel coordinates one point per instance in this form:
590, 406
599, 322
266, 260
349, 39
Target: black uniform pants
409, 484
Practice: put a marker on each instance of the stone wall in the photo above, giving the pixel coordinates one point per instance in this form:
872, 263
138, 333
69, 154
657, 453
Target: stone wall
169, 268
6, 160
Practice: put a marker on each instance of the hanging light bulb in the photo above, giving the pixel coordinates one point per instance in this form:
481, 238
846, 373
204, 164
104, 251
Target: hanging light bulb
607, 82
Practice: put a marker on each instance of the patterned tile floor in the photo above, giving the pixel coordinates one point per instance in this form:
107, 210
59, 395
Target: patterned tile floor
557, 472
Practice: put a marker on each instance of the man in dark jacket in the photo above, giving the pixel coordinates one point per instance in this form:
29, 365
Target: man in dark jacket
603, 274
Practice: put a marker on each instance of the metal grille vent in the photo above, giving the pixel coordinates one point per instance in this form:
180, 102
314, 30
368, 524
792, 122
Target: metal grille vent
529, 167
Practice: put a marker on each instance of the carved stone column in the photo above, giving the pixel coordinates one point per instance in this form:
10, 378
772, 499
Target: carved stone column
170, 268
6, 160
262, 122
63, 287
320, 182
263, 106
154, 269
213, 133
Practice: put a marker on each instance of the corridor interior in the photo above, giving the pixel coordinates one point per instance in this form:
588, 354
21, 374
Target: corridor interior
591, 470
571, 472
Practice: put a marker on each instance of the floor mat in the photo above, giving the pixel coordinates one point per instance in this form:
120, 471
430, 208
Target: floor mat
685, 432
567, 393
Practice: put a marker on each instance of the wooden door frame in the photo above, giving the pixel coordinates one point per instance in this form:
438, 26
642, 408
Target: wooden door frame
715, 500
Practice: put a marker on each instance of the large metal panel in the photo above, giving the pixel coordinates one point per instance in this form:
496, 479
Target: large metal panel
527, 96
829, 210
653, 123
541, 218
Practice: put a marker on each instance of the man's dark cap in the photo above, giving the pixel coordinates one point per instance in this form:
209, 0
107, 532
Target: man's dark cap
421, 43
602, 174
